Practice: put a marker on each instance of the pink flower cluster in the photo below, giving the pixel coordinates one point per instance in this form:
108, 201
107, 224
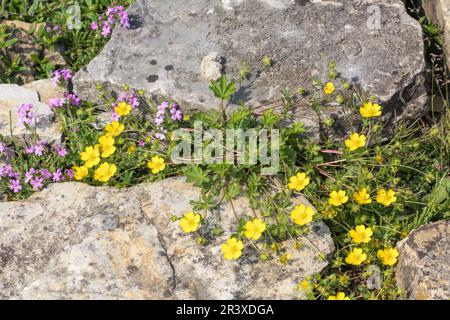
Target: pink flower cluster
66, 74
176, 115
113, 15
26, 115
69, 100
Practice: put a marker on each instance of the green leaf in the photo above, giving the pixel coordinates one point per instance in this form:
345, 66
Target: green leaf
195, 175
222, 88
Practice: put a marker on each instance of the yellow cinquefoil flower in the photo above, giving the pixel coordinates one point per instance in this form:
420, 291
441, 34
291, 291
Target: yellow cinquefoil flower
90, 156
254, 229
122, 109
356, 141
157, 164
302, 215
189, 223
362, 196
329, 88
79, 173
232, 249
338, 198
361, 234
388, 256
304, 284
298, 182
131, 149
114, 129
104, 172
356, 257
339, 296
107, 146
386, 198
370, 110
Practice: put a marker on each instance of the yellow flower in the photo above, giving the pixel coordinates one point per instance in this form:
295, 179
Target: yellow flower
79, 173
362, 197
284, 258
114, 129
189, 223
232, 249
104, 172
356, 141
388, 256
302, 215
337, 198
298, 182
107, 146
370, 110
329, 88
386, 198
356, 257
379, 158
157, 164
122, 109
339, 296
304, 284
131, 149
254, 229
90, 156
360, 234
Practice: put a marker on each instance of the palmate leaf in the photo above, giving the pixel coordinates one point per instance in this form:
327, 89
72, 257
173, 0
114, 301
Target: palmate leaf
195, 175
222, 88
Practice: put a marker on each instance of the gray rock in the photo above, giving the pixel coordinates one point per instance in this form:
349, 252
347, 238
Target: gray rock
423, 269
163, 51
439, 12
46, 90
11, 97
73, 241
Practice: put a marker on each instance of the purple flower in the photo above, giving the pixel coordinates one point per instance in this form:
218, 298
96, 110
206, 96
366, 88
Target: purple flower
39, 149
66, 74
29, 175
94, 25
26, 115
106, 30
133, 100
141, 143
124, 21
69, 173
160, 136
72, 99
56, 103
37, 183
15, 185
159, 120
45, 173
5, 151
57, 175
6, 171
62, 152
115, 117
177, 115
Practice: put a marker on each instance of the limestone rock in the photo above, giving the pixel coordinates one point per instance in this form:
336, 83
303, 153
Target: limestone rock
46, 90
11, 97
423, 268
374, 42
439, 12
73, 241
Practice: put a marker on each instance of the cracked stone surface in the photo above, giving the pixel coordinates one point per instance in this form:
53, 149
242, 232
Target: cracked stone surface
374, 42
423, 269
73, 241
12, 96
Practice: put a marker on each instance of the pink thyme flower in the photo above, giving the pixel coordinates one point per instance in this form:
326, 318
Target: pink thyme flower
26, 115
15, 185
141, 143
57, 175
70, 173
94, 25
37, 183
